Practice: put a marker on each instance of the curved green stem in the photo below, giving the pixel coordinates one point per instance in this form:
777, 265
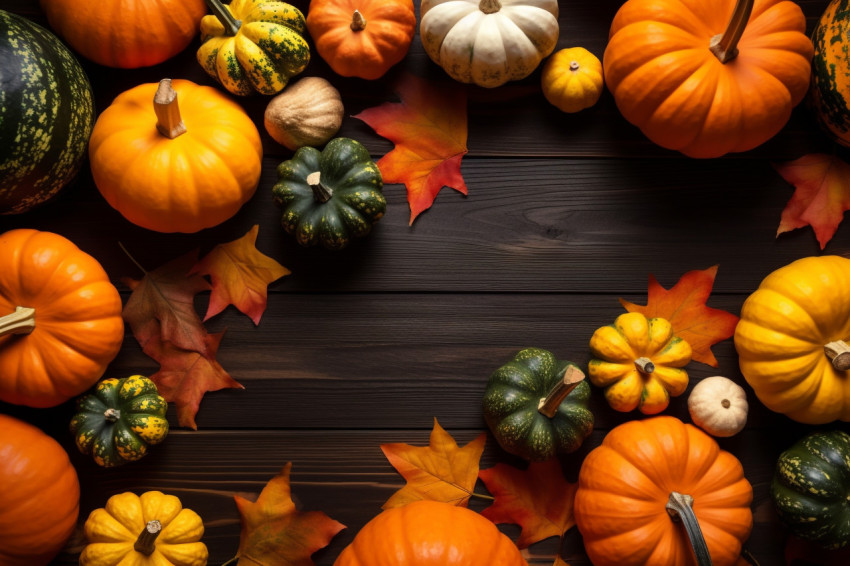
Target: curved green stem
231, 24
725, 45
680, 508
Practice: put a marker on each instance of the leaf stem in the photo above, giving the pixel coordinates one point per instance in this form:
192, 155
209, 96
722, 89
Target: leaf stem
139, 265
482, 496
231, 561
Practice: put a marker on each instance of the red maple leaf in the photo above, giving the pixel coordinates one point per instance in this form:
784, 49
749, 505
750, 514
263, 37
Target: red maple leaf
684, 306
429, 131
821, 197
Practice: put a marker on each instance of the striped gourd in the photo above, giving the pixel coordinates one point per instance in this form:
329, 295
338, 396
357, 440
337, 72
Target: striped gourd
831, 71
46, 114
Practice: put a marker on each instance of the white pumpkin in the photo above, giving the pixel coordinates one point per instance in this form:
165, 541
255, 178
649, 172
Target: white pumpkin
719, 406
488, 42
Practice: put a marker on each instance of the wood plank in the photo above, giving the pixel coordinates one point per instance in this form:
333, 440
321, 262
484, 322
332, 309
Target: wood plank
528, 225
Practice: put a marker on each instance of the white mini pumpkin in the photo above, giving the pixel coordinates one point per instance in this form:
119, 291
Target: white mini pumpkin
719, 406
488, 42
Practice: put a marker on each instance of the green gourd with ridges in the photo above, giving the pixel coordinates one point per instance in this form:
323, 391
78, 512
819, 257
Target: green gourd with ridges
811, 488
329, 197
830, 91
119, 421
46, 114
516, 399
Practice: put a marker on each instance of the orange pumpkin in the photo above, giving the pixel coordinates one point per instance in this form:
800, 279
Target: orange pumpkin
696, 77
170, 171
361, 38
126, 33
627, 512
60, 319
40, 498
430, 533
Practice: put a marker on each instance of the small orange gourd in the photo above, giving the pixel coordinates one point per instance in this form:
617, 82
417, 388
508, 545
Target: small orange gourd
60, 319
660, 491
572, 79
361, 38
175, 169
430, 533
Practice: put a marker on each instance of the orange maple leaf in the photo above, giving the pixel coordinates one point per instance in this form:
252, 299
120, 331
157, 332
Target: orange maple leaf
185, 375
822, 194
428, 129
539, 499
275, 533
162, 307
684, 306
440, 471
240, 275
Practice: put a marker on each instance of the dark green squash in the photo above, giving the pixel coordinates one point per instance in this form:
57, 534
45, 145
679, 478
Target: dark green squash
119, 420
830, 90
46, 114
811, 488
536, 406
330, 196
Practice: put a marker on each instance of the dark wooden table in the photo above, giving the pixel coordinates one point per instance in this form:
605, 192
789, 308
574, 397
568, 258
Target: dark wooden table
565, 214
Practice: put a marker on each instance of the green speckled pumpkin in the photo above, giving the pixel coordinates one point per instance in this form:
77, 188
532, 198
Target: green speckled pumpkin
46, 114
830, 91
811, 488
536, 405
253, 45
119, 420
329, 197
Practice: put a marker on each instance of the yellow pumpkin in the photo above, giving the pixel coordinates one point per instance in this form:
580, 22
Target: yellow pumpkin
148, 530
792, 340
639, 362
572, 79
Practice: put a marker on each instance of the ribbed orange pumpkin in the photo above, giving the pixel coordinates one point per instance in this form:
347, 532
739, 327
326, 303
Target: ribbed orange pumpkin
688, 89
40, 495
361, 38
430, 533
126, 33
175, 170
61, 319
627, 484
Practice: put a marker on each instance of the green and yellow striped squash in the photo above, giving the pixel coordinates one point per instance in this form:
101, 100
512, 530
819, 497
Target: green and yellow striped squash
329, 197
514, 402
118, 421
830, 91
253, 45
46, 114
811, 488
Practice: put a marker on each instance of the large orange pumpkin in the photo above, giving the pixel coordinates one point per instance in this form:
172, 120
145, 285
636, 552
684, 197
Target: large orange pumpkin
40, 495
61, 319
625, 506
175, 169
361, 38
696, 77
430, 533
126, 33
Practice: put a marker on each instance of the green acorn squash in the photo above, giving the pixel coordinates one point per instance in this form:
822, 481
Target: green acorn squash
830, 90
46, 114
330, 196
811, 488
119, 421
536, 406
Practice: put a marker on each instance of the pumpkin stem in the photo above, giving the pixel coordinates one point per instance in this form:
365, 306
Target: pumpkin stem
111, 415
680, 509
22, 321
358, 22
231, 24
489, 6
574, 66
549, 405
146, 543
644, 365
168, 120
725, 45
838, 353
322, 193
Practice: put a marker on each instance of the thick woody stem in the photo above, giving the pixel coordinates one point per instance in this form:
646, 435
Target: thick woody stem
489, 6
549, 405
322, 193
111, 415
22, 321
231, 24
838, 353
168, 120
644, 365
146, 543
358, 22
680, 509
725, 45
